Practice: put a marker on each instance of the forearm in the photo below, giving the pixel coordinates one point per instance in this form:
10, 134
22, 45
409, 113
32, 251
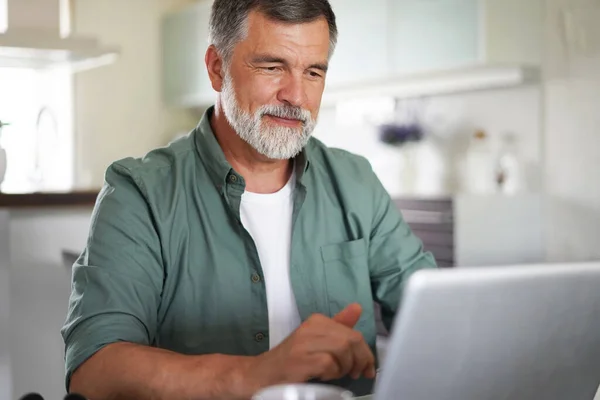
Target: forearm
130, 371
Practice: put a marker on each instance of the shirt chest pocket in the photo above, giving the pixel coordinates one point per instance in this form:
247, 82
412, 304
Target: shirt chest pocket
346, 271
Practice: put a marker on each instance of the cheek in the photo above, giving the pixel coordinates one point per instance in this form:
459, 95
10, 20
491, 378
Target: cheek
264, 89
253, 92
314, 95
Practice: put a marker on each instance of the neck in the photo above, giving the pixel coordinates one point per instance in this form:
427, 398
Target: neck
262, 175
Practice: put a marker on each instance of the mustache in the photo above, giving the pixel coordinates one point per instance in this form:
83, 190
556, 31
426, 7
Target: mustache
287, 112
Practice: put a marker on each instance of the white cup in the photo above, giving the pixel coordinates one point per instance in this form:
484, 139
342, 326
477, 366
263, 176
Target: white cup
304, 391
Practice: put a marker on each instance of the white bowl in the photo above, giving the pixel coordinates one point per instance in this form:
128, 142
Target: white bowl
304, 391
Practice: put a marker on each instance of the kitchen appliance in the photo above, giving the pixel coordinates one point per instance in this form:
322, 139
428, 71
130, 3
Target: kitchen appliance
37, 34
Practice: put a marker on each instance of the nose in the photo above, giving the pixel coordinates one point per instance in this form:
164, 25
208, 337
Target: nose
292, 91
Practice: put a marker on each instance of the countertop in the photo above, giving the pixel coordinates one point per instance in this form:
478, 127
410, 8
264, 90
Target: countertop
86, 197
71, 198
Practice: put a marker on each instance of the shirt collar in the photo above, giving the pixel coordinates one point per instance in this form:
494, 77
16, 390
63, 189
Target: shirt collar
214, 159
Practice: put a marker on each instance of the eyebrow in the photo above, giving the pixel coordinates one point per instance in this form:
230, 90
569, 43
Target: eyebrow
265, 58
322, 66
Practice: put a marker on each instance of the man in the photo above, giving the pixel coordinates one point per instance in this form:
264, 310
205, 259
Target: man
246, 254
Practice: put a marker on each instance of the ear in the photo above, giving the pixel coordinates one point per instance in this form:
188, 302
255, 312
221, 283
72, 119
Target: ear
214, 65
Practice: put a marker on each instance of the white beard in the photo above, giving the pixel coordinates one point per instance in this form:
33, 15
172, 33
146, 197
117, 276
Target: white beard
274, 142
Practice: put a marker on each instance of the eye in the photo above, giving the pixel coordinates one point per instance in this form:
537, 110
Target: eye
271, 68
315, 74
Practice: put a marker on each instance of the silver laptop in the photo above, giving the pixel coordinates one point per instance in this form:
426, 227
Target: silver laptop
527, 332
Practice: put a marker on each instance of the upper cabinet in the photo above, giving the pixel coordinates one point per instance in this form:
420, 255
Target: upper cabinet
184, 43
401, 46
429, 35
382, 44
362, 49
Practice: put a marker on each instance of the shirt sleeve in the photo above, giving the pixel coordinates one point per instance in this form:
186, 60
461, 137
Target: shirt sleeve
117, 281
394, 254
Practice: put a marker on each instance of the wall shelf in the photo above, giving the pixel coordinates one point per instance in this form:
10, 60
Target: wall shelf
441, 82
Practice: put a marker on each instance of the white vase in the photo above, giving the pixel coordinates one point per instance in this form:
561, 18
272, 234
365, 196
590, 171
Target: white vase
409, 153
478, 166
432, 172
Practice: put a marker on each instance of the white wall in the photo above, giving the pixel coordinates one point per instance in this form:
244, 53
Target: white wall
572, 139
118, 108
508, 22
450, 119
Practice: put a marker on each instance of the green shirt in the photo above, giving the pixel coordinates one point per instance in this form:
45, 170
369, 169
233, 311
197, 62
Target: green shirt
169, 264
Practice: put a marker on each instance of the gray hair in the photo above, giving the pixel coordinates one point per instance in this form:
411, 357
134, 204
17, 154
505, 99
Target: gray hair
228, 20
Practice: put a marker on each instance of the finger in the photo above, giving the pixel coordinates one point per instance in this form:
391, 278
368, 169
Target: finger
349, 316
342, 351
338, 345
364, 360
325, 367
370, 372
345, 344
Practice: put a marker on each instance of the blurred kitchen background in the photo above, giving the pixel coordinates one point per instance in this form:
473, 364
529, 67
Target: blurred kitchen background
481, 118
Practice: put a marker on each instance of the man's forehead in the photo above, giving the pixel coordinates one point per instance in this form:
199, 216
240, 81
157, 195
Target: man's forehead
264, 33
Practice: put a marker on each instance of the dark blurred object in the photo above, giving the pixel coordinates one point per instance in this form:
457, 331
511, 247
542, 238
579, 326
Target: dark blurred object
74, 396
69, 258
432, 221
36, 396
406, 125
32, 396
399, 134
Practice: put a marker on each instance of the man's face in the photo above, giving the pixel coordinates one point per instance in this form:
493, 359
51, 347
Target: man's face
273, 84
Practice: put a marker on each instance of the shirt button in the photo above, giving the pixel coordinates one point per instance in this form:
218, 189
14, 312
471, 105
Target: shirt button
259, 337
232, 178
255, 278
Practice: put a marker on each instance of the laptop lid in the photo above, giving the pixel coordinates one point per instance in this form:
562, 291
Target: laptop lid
522, 332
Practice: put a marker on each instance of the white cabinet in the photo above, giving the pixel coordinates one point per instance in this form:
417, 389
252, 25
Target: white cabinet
490, 230
428, 35
362, 49
5, 369
184, 43
380, 42
400, 37
442, 34
34, 293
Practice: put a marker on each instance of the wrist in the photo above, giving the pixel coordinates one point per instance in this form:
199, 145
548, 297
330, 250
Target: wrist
249, 375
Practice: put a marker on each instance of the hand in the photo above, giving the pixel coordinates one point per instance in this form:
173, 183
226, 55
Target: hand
323, 348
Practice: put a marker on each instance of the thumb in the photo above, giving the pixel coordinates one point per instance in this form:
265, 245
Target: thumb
349, 316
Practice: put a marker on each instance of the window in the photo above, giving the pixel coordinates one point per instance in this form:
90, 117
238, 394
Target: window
39, 142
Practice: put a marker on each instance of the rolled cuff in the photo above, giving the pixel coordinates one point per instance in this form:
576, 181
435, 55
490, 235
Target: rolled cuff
93, 334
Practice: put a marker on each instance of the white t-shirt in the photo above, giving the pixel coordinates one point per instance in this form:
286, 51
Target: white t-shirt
268, 219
